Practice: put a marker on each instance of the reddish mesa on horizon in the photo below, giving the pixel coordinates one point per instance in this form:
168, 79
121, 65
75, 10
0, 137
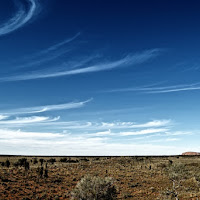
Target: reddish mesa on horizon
191, 153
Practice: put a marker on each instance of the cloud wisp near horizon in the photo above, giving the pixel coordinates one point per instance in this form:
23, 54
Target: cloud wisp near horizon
93, 136
35, 130
22, 16
55, 131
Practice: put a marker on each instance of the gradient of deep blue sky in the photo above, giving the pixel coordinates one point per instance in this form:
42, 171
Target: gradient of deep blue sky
99, 77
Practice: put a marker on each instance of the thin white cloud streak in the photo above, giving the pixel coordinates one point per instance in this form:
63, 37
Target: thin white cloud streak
145, 137
101, 133
162, 140
71, 143
172, 139
130, 89
130, 133
76, 146
157, 90
3, 117
176, 90
143, 132
129, 60
41, 109
102, 126
42, 59
112, 111
22, 17
166, 134
179, 133
58, 45
88, 128
28, 120
154, 123
60, 138
48, 54
18, 134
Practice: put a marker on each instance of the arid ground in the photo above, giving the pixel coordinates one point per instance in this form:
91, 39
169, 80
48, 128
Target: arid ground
166, 177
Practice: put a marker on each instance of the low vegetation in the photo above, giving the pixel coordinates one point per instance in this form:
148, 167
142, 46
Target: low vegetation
94, 188
100, 178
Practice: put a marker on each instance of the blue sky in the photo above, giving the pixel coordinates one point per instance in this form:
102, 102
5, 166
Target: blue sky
99, 77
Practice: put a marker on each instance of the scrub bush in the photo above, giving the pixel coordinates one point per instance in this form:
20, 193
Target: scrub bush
94, 188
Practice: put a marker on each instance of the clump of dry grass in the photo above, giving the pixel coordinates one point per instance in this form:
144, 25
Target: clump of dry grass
185, 179
178, 171
94, 188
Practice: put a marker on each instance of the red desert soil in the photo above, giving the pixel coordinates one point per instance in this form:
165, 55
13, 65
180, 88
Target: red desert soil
139, 178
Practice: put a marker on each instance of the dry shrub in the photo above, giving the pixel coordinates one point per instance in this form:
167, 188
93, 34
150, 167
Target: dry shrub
161, 165
191, 183
94, 188
178, 172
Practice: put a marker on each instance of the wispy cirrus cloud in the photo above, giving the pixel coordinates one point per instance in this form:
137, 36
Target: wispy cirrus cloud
148, 131
18, 134
176, 88
21, 17
102, 133
28, 120
157, 90
166, 134
61, 144
129, 60
154, 123
143, 132
3, 117
103, 127
48, 54
84, 140
180, 133
58, 45
41, 109
172, 139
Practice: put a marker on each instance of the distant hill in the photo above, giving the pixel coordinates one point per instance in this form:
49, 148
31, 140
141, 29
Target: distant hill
191, 153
